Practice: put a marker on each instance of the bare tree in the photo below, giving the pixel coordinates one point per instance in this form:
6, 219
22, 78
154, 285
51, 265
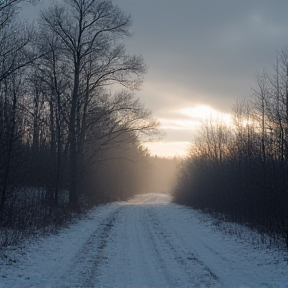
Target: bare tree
15, 39
241, 170
90, 34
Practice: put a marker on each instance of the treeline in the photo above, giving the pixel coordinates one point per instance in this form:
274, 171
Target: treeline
62, 130
240, 169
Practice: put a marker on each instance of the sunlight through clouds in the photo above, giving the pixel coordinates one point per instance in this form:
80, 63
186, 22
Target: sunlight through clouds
178, 124
187, 119
192, 117
202, 113
199, 111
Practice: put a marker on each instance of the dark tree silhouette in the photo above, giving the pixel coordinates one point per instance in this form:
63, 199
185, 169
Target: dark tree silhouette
68, 140
241, 170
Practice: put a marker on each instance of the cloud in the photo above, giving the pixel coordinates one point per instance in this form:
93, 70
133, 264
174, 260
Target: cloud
202, 52
211, 48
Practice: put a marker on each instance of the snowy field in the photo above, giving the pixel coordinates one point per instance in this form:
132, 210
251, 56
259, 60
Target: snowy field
145, 242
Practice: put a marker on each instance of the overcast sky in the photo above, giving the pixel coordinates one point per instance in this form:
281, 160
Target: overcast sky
201, 52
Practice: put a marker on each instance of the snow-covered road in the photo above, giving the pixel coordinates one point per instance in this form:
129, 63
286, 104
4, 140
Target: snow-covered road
146, 242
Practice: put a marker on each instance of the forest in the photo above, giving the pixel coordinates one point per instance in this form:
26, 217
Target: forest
71, 127
238, 171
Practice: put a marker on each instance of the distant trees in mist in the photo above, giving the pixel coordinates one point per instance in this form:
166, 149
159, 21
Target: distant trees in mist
163, 174
62, 129
241, 169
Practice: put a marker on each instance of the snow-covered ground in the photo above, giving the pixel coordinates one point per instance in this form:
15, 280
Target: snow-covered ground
145, 242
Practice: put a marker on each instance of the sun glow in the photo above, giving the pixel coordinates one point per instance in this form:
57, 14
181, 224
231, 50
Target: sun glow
183, 123
178, 124
201, 113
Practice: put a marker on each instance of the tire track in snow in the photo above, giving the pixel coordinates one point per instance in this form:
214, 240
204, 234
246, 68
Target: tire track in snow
130, 253
142, 252
85, 263
146, 242
159, 250
197, 245
189, 266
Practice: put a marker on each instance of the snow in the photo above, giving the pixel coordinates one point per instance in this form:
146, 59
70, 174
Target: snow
145, 242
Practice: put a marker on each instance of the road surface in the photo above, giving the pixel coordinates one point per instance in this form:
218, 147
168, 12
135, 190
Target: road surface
145, 242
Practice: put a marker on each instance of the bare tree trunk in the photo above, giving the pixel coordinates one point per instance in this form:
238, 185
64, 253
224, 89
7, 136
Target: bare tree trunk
73, 189
9, 142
